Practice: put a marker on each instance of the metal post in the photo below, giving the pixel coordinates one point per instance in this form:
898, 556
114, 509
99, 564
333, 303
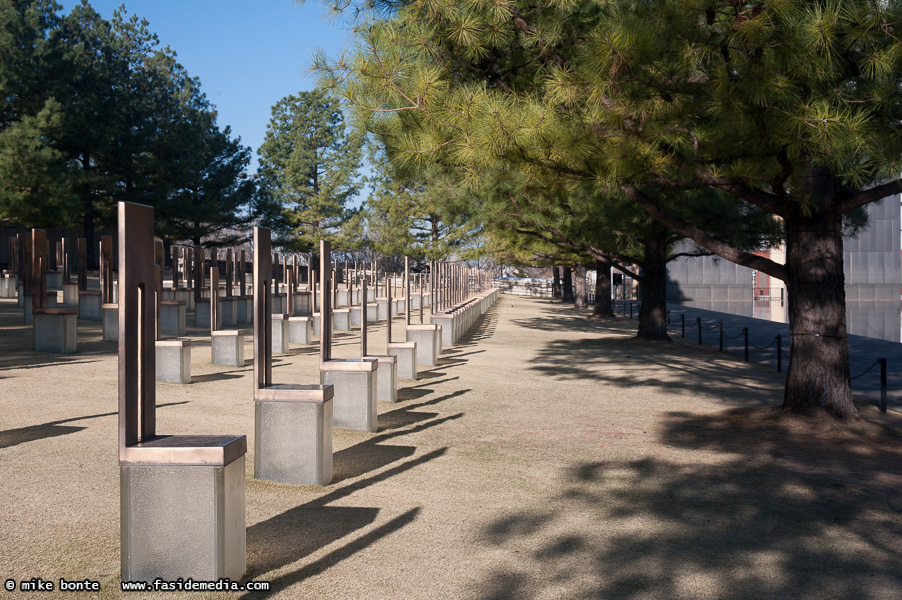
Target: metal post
262, 307
82, 264
38, 268
388, 317
882, 362
363, 289
745, 333
407, 290
721, 335
683, 324
420, 295
137, 367
698, 323
325, 301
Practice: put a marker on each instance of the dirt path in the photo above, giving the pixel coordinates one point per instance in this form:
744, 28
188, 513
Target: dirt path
545, 457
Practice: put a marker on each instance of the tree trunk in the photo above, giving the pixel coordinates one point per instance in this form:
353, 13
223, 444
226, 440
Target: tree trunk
652, 287
604, 307
567, 288
580, 290
818, 376
555, 282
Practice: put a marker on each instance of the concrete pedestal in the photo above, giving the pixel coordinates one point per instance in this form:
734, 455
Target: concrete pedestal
386, 378
244, 309
9, 287
173, 361
293, 434
425, 337
372, 312
202, 313
302, 304
446, 322
341, 319
300, 330
227, 312
354, 405
89, 307
54, 280
70, 294
186, 296
110, 322
280, 334
279, 304
356, 311
173, 317
316, 325
55, 330
227, 347
382, 309
343, 298
406, 352
182, 505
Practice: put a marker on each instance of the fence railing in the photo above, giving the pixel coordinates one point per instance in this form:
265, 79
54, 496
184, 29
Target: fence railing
630, 309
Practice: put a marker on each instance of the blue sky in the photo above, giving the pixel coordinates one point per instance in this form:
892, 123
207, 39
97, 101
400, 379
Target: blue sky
248, 54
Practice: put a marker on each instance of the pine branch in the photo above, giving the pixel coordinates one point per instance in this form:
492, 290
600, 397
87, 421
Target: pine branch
870, 195
746, 259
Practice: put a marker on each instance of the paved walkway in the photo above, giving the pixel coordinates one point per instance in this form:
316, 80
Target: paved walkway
863, 351
545, 457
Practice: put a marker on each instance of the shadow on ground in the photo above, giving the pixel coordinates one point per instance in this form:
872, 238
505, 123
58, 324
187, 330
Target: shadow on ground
614, 356
772, 508
21, 435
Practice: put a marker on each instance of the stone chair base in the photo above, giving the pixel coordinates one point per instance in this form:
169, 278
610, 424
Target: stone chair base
406, 352
280, 333
293, 434
300, 330
55, 330
355, 380
386, 378
227, 347
341, 319
173, 317
425, 337
70, 294
110, 322
89, 306
182, 509
173, 361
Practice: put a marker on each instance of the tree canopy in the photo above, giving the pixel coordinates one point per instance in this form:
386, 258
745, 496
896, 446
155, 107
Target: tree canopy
96, 111
791, 106
309, 165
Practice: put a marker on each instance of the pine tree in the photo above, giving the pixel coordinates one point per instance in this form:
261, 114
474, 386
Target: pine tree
309, 165
422, 214
792, 106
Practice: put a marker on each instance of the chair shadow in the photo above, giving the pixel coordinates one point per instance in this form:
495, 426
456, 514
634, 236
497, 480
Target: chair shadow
362, 458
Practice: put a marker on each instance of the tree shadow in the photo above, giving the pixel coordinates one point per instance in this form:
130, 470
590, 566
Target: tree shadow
764, 507
629, 362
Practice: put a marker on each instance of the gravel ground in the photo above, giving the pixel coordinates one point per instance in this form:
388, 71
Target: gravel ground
547, 456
